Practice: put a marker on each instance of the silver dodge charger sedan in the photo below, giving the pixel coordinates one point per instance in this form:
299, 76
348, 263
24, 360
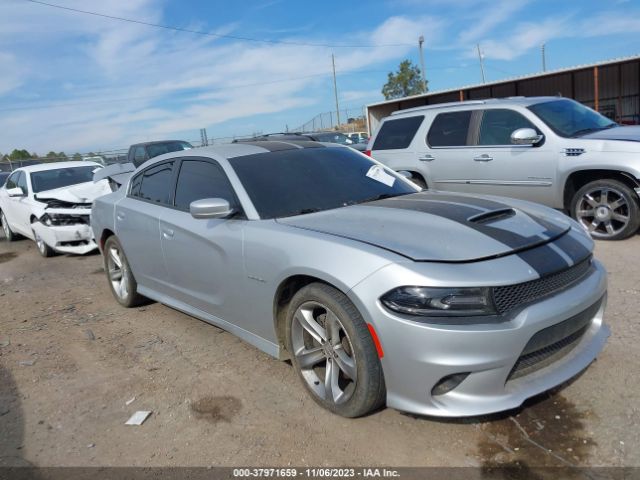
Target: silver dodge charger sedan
429, 302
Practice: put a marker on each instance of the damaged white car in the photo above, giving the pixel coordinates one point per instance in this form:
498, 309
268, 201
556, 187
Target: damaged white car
51, 204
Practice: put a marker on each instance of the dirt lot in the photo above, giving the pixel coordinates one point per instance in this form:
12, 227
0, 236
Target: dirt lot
71, 358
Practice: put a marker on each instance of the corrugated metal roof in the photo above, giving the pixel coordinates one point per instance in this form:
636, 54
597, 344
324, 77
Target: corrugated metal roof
510, 79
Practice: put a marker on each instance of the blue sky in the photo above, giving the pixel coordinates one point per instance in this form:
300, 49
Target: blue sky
76, 82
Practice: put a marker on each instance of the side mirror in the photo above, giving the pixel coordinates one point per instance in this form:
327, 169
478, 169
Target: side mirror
210, 208
16, 192
526, 136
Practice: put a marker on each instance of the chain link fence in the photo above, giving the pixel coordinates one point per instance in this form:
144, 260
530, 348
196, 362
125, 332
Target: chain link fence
349, 120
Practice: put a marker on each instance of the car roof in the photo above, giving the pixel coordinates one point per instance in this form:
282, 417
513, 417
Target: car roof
242, 149
155, 142
56, 165
493, 102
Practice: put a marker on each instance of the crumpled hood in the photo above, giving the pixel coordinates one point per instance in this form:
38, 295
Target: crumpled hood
85, 192
438, 226
628, 133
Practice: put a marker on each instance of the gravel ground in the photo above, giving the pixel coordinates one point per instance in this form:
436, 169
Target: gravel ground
72, 359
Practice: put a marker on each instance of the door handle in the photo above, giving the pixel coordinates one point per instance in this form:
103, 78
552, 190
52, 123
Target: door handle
120, 216
483, 158
427, 158
167, 233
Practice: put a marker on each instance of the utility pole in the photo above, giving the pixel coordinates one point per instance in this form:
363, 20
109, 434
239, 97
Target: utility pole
335, 89
424, 73
544, 58
481, 63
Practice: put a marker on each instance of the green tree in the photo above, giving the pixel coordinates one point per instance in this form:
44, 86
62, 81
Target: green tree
76, 156
406, 81
19, 154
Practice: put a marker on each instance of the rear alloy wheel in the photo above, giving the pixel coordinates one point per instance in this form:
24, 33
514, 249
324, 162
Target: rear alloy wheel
9, 236
607, 209
44, 249
333, 352
121, 281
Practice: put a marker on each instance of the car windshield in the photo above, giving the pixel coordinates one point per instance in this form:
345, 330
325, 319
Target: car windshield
61, 177
570, 119
156, 149
295, 182
332, 137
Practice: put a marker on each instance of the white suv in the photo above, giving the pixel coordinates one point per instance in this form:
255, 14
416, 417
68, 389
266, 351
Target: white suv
550, 150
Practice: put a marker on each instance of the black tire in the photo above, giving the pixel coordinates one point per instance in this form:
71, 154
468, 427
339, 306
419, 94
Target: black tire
368, 392
45, 250
131, 298
611, 216
9, 236
419, 181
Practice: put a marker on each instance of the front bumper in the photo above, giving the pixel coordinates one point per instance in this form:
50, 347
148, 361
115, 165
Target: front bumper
418, 355
75, 239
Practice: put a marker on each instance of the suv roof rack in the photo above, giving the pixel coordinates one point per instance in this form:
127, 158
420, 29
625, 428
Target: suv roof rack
441, 105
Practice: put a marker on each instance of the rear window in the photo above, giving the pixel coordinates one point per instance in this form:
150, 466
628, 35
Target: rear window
398, 133
449, 129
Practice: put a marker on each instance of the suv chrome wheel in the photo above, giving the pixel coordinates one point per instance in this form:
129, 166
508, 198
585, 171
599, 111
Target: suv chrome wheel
324, 352
603, 211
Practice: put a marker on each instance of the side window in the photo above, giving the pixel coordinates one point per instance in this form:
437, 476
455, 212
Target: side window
139, 155
449, 129
398, 133
498, 125
12, 181
200, 179
22, 183
156, 183
135, 185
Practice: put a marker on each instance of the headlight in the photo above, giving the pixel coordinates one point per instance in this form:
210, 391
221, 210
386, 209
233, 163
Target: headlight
440, 302
60, 219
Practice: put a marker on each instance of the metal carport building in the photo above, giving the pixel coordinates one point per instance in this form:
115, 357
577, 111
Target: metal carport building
611, 87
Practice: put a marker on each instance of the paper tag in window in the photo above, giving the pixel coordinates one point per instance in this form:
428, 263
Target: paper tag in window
377, 173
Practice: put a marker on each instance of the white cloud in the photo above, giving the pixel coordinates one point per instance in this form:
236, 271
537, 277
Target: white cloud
176, 83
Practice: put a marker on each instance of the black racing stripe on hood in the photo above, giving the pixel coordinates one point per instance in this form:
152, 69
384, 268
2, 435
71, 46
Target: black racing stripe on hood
483, 203
573, 248
545, 260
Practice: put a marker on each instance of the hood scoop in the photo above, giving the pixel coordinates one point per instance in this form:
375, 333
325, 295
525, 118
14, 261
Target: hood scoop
492, 216
437, 226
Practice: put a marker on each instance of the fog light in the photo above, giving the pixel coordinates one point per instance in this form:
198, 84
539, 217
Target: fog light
448, 383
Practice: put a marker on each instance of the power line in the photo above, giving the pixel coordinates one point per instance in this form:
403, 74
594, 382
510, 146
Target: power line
217, 35
146, 97
243, 85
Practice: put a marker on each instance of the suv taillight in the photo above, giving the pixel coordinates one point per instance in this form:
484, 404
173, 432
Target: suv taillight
367, 152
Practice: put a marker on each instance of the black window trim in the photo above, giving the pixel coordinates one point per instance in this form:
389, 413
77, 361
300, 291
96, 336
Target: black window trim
171, 183
473, 135
240, 214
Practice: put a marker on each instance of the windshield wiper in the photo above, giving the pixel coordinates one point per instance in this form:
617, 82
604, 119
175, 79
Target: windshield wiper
584, 131
382, 196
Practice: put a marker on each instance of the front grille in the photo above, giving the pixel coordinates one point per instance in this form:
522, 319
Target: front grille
553, 343
512, 296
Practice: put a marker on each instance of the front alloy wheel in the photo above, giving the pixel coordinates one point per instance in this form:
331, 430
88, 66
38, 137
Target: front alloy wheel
8, 233
333, 352
44, 249
324, 352
607, 209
